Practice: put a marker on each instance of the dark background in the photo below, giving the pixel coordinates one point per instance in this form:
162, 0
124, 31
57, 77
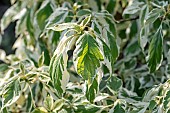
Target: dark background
8, 38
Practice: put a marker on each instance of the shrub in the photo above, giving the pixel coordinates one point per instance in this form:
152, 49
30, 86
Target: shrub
87, 56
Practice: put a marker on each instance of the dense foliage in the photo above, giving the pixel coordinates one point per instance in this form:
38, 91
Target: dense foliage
87, 56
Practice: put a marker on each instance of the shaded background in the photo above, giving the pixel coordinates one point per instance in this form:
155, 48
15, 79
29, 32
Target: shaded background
8, 38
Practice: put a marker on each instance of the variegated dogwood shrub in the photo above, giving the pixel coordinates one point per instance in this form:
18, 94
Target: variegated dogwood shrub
82, 56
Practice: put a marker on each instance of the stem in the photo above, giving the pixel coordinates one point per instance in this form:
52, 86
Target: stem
129, 19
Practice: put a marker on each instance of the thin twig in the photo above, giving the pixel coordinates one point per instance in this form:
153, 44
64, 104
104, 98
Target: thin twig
128, 19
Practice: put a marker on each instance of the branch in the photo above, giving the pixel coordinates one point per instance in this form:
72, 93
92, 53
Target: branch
128, 19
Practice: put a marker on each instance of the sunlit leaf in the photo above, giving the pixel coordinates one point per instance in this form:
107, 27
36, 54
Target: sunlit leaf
11, 93
41, 60
58, 73
114, 84
153, 15
83, 12
48, 103
134, 8
87, 56
42, 14
58, 104
155, 51
64, 26
92, 90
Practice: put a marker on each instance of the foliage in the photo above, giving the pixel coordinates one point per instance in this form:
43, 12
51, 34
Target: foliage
87, 56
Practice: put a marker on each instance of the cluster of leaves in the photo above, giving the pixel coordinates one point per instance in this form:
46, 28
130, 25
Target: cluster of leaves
89, 56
